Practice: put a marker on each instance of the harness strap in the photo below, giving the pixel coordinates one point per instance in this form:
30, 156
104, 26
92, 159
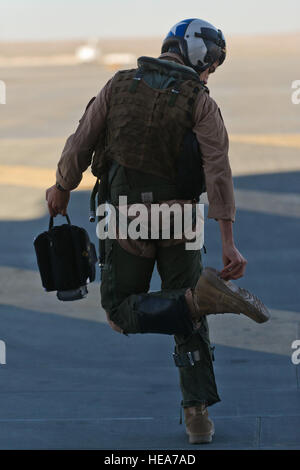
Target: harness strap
101, 191
136, 80
93, 201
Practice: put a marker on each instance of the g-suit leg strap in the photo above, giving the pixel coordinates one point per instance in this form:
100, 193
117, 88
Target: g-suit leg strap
163, 315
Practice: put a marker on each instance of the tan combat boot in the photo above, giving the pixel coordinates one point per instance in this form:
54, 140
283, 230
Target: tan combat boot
199, 427
214, 295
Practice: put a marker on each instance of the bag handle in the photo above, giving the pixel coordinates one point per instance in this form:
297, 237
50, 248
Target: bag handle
51, 221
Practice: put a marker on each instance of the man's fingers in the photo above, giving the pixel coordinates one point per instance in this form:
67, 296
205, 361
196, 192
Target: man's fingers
61, 210
234, 263
229, 276
229, 267
52, 209
57, 201
236, 272
243, 269
234, 269
55, 209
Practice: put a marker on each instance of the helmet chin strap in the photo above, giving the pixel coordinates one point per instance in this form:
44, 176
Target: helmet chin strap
201, 68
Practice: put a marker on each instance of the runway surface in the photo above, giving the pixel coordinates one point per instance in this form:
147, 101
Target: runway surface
69, 381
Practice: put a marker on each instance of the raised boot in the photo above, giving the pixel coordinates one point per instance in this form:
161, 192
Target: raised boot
213, 295
199, 427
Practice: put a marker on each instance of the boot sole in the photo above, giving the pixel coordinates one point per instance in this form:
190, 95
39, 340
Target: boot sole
200, 439
259, 312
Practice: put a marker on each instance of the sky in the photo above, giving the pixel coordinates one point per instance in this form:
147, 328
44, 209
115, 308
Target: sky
72, 19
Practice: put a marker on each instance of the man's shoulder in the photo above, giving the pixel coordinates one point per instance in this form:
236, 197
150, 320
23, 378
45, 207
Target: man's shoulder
205, 105
123, 74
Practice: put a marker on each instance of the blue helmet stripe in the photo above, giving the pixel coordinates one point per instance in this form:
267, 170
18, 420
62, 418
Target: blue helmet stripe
180, 28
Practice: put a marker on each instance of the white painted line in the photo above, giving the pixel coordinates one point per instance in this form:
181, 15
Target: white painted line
40, 420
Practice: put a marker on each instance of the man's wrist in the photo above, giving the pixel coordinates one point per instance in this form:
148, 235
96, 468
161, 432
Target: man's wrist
227, 243
226, 232
58, 186
227, 240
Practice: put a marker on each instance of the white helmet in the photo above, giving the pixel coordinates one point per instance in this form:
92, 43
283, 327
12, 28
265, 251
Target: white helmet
199, 43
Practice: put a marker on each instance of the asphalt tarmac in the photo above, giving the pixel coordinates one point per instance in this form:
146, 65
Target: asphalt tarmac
69, 381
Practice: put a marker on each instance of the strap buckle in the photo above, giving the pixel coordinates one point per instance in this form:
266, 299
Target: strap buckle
187, 359
136, 80
174, 93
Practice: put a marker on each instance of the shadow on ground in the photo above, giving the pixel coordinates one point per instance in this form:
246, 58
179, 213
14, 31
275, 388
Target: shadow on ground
72, 383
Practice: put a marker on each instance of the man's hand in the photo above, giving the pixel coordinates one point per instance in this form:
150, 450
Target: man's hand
234, 262
57, 201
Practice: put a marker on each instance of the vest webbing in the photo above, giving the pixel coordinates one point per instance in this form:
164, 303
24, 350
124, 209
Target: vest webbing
146, 126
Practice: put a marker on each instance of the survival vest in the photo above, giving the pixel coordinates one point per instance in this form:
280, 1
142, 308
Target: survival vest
146, 126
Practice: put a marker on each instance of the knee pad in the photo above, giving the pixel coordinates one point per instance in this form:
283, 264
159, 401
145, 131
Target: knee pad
162, 315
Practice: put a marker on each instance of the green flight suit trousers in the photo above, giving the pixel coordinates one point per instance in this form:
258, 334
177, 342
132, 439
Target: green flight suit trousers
125, 276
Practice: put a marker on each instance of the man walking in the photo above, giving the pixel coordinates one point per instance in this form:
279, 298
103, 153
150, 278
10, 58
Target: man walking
132, 133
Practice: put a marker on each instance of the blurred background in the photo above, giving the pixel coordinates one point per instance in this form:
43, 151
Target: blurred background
55, 56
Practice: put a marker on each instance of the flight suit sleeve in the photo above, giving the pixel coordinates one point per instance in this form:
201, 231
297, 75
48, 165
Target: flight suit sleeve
214, 144
79, 147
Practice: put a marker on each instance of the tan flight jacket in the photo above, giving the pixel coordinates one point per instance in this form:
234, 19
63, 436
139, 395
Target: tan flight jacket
211, 135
